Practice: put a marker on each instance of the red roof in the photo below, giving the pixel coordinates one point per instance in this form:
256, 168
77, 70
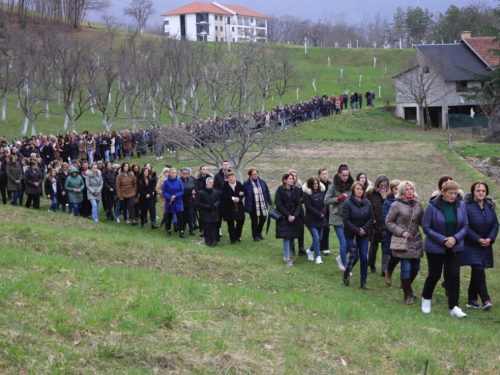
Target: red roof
242, 11
482, 46
197, 8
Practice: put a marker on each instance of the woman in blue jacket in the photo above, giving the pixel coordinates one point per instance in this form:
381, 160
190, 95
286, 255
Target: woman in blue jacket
482, 232
445, 225
173, 191
357, 215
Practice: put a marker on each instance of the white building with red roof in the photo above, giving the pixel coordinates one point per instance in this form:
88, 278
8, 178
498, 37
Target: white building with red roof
215, 22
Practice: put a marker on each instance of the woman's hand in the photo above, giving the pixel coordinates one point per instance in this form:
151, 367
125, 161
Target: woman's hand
236, 199
406, 234
362, 232
291, 218
449, 242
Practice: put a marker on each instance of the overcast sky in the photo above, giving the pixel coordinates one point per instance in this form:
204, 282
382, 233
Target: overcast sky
353, 10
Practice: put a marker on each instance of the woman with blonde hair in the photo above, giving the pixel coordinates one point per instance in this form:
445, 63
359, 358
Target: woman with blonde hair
159, 188
403, 220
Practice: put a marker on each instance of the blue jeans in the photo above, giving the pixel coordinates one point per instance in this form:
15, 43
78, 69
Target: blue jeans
316, 234
91, 157
53, 206
106, 154
15, 195
74, 208
286, 247
95, 209
409, 267
118, 206
361, 253
342, 245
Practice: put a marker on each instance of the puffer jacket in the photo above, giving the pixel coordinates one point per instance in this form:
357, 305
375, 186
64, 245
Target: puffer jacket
482, 224
288, 204
32, 176
406, 216
14, 173
357, 214
336, 191
109, 179
74, 183
126, 185
377, 201
207, 202
187, 198
61, 180
145, 189
94, 183
171, 187
434, 226
315, 207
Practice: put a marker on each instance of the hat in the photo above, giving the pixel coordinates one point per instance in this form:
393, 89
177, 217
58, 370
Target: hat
99, 161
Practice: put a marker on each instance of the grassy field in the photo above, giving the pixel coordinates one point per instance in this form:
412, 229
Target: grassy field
91, 298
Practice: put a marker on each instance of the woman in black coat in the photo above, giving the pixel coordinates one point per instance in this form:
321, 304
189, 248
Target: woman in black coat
357, 215
481, 234
207, 202
72, 148
188, 183
232, 207
50, 188
291, 225
314, 196
146, 187
33, 179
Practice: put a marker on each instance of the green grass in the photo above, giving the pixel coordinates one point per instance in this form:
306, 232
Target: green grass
81, 297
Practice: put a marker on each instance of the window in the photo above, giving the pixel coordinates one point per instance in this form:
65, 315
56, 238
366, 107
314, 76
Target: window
167, 33
251, 20
216, 39
233, 40
215, 28
166, 23
461, 86
232, 28
216, 18
228, 20
221, 29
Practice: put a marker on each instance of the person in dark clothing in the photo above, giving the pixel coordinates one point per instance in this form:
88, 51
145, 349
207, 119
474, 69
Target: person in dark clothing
481, 234
207, 202
315, 218
232, 208
393, 261
257, 200
188, 198
324, 245
33, 179
146, 187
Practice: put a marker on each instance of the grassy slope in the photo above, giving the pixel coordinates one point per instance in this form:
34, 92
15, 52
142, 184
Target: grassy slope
79, 297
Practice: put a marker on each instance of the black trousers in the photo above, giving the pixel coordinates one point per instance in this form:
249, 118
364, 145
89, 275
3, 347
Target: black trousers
3, 190
35, 199
235, 231
451, 262
148, 205
211, 233
180, 220
477, 285
108, 202
393, 262
324, 244
257, 223
128, 207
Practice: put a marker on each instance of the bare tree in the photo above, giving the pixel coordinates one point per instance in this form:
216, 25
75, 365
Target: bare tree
285, 73
140, 11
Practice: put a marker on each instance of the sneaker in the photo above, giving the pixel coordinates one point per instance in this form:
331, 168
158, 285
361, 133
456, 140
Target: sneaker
473, 304
325, 252
339, 262
169, 233
318, 260
289, 263
487, 305
426, 306
310, 255
458, 313
117, 219
127, 222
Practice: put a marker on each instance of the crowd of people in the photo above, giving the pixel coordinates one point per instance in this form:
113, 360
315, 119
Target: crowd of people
460, 228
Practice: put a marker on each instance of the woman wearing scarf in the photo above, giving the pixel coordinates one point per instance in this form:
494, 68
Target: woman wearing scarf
403, 219
232, 208
257, 200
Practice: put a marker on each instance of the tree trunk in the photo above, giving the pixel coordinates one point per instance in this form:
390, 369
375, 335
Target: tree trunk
47, 111
73, 122
66, 120
25, 127
4, 107
33, 131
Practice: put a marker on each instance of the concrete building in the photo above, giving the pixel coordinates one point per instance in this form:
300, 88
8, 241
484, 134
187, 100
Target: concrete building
215, 22
444, 64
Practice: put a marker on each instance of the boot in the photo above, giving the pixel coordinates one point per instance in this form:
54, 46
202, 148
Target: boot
413, 294
163, 220
181, 234
154, 225
407, 291
346, 278
388, 277
363, 285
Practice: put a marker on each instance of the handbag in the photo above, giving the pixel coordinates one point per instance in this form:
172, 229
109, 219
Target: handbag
401, 243
275, 214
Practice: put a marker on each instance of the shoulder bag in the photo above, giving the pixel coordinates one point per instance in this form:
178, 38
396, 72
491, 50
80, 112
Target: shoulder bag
401, 243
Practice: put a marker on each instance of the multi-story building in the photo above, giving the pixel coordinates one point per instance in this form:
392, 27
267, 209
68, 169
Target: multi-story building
215, 22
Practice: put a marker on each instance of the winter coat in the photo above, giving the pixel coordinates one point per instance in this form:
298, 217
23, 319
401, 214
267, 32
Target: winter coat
482, 224
434, 226
126, 185
406, 216
145, 189
249, 194
109, 180
73, 150
327, 185
187, 198
315, 207
94, 183
288, 204
336, 191
385, 210
229, 209
49, 188
200, 181
31, 176
357, 214
61, 180
219, 179
207, 202
14, 173
377, 201
159, 192
171, 187
73, 183
82, 150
